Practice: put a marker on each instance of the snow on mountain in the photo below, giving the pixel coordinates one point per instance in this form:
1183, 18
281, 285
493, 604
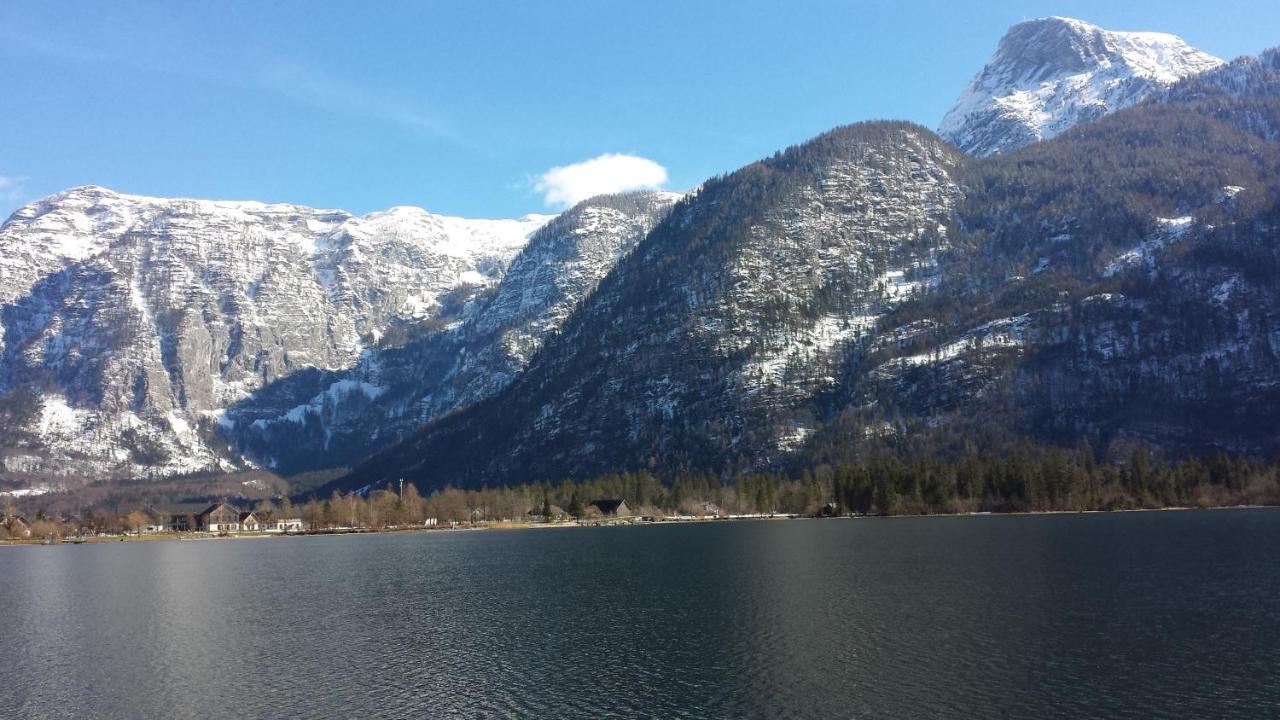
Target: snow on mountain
718, 333
875, 291
857, 281
1245, 76
317, 420
133, 321
1051, 74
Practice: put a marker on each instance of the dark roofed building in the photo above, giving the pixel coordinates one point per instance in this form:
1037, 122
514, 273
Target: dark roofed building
557, 513
612, 507
185, 517
219, 518
157, 520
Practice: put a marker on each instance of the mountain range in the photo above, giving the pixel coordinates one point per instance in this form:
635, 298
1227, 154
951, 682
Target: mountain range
1083, 253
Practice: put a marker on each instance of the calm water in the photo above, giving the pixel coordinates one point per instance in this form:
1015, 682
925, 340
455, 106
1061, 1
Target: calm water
1135, 615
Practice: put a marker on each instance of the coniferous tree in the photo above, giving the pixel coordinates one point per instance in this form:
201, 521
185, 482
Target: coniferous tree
576, 508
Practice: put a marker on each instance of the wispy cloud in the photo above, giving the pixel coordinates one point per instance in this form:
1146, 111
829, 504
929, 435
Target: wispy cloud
285, 77
566, 185
12, 193
315, 88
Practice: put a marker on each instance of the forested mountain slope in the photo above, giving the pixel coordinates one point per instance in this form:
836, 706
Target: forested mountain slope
873, 290
717, 340
1118, 288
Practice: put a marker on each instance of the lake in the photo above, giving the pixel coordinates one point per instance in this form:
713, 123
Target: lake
1160, 614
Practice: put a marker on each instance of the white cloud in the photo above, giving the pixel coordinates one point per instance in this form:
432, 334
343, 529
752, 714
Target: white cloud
567, 185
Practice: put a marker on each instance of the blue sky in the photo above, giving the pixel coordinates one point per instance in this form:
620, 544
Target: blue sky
461, 107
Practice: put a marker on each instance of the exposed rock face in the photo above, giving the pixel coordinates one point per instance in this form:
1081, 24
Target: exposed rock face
1051, 74
135, 320
318, 419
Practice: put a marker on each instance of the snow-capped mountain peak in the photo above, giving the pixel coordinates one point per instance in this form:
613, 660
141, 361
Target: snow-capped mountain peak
1050, 74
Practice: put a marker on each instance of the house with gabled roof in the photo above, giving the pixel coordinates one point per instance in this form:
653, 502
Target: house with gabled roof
157, 521
15, 526
615, 507
255, 520
219, 518
269, 522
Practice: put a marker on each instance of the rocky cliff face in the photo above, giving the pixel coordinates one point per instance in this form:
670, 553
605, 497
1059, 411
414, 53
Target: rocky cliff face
319, 419
129, 323
1052, 74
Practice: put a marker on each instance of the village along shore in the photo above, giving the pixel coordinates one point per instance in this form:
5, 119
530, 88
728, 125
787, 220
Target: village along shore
564, 523
427, 526
402, 510
1048, 482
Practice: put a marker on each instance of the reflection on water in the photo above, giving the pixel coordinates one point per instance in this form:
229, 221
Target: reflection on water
1134, 615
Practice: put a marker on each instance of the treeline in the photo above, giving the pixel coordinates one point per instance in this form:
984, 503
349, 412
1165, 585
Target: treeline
1050, 480
1024, 481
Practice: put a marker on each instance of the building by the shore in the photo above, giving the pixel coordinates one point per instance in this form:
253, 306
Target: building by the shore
14, 526
612, 508
269, 522
537, 513
223, 518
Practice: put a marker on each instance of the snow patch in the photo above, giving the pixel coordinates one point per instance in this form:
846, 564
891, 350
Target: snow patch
1170, 231
33, 491
1222, 292
333, 396
1003, 333
59, 419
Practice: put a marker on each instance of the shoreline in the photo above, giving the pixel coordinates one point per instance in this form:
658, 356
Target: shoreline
621, 522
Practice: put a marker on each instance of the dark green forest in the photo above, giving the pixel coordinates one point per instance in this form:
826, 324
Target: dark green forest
1031, 480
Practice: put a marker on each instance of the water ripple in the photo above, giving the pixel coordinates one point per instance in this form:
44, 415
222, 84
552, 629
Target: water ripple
1133, 616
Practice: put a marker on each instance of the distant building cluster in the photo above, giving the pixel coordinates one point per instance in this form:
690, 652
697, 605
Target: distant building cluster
223, 519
